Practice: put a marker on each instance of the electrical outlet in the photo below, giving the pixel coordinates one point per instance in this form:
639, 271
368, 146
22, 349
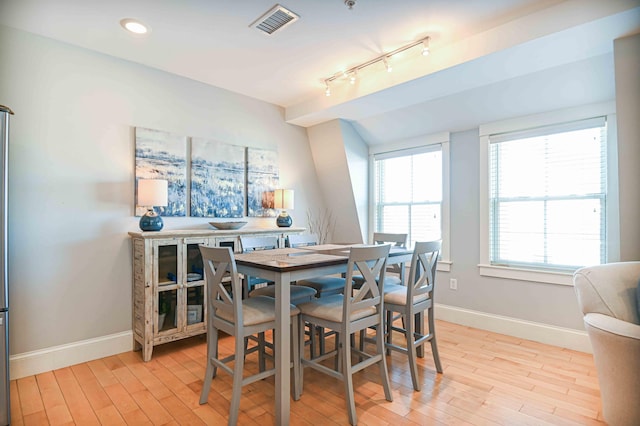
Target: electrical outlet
453, 284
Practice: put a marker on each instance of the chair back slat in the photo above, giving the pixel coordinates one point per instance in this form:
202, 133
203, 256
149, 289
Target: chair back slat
399, 240
220, 271
304, 240
258, 243
370, 262
422, 273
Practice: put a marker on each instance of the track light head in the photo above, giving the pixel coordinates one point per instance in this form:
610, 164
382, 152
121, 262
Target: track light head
425, 47
386, 65
327, 91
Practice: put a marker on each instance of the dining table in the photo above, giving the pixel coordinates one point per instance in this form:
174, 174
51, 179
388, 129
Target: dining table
284, 266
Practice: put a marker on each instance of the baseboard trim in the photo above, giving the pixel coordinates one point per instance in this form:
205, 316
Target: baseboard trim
55, 357
558, 336
48, 359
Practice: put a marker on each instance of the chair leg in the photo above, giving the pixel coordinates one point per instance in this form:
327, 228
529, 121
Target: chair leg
261, 352
212, 352
384, 373
295, 357
321, 340
387, 332
419, 328
345, 361
411, 352
236, 390
300, 348
434, 345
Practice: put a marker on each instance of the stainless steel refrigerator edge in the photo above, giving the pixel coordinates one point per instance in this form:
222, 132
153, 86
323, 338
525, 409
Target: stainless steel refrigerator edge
5, 418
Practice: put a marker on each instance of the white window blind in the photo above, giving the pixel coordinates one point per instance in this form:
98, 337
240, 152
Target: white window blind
548, 196
408, 193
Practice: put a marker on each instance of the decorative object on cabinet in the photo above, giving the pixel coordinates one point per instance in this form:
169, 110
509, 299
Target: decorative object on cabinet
152, 193
162, 155
321, 224
262, 179
169, 289
228, 225
283, 199
217, 179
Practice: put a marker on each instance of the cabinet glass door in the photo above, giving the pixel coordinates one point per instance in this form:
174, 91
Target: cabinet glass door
167, 308
194, 284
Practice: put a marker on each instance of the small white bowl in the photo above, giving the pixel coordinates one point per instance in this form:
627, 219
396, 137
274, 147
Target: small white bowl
228, 225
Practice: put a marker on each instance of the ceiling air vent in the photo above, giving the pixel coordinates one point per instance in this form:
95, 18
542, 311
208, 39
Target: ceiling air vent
275, 19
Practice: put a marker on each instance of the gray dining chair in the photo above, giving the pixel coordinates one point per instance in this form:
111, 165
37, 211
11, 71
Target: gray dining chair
240, 318
398, 270
298, 294
348, 314
411, 302
324, 286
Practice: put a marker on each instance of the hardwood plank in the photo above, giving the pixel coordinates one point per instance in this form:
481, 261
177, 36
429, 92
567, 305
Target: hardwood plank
30, 399
488, 379
54, 403
76, 400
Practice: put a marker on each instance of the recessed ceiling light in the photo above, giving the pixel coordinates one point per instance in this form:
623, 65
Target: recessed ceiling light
134, 26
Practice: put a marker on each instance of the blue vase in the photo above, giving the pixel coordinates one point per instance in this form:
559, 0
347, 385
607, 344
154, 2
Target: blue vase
151, 221
284, 220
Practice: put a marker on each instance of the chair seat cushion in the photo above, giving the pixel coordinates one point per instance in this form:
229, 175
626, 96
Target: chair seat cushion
298, 294
330, 308
256, 310
397, 294
324, 285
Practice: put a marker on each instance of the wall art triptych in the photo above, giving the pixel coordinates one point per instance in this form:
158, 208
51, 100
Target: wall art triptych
222, 180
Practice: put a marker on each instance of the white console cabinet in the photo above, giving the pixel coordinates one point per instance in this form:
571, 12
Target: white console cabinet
169, 289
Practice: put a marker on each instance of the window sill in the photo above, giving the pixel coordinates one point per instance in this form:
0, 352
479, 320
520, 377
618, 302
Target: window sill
547, 277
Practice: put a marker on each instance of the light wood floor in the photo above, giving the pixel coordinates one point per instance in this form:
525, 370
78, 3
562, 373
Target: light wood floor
488, 379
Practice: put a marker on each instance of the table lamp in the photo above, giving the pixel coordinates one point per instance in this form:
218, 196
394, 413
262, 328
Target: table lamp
151, 193
283, 199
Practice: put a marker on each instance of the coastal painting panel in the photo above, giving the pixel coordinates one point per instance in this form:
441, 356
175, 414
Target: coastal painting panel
163, 155
217, 179
262, 180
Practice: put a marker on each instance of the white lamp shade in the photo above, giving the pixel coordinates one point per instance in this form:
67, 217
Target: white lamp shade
153, 192
283, 199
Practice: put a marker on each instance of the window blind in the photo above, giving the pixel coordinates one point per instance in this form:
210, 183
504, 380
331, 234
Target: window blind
408, 193
548, 196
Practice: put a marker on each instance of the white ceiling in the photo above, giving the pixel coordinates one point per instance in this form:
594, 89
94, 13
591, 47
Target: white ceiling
521, 53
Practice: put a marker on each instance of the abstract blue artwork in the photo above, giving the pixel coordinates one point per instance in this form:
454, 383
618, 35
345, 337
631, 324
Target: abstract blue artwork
262, 180
162, 155
217, 179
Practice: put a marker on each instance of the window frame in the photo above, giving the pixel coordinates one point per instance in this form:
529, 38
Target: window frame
549, 276
409, 145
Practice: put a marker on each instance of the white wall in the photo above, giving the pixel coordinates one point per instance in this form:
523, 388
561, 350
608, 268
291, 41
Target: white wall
329, 155
72, 177
627, 70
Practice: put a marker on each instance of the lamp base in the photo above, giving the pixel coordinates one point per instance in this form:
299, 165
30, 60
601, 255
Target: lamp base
284, 220
151, 221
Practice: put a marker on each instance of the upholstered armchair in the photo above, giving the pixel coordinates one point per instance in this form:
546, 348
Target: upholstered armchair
608, 299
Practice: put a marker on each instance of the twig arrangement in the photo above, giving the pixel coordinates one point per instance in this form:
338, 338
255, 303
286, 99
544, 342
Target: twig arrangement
322, 225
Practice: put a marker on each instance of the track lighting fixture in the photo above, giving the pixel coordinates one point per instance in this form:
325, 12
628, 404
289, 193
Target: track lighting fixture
350, 3
352, 73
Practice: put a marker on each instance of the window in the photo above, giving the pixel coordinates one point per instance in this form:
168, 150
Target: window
549, 205
408, 193
548, 195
